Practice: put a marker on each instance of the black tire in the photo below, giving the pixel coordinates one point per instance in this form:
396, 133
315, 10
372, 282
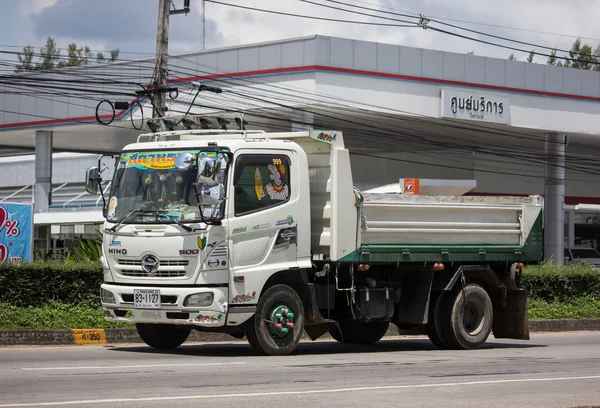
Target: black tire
434, 330
261, 332
360, 332
163, 336
467, 320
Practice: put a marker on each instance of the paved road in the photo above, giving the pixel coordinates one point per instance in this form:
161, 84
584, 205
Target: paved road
558, 370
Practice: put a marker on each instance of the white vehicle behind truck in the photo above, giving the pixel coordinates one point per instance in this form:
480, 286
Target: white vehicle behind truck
263, 235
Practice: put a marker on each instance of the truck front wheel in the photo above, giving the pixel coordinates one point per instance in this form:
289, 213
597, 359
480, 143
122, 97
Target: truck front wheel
360, 332
163, 336
276, 327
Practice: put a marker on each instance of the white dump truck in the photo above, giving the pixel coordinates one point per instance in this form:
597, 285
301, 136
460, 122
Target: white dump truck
263, 235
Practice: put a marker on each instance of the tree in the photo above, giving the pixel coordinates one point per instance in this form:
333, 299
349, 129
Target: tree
49, 57
583, 56
552, 60
114, 54
597, 56
26, 59
77, 56
530, 57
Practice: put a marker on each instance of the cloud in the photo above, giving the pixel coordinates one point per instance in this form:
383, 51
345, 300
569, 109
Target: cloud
131, 25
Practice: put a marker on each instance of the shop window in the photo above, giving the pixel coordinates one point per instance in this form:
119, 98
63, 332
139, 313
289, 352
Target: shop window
261, 182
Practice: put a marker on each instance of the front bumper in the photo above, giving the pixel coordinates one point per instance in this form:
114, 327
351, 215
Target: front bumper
172, 310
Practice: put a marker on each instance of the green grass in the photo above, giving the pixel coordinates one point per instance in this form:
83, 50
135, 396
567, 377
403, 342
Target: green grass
53, 315
577, 308
56, 315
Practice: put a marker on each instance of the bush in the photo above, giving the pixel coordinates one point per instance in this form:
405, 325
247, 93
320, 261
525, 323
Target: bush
578, 308
551, 283
35, 284
78, 283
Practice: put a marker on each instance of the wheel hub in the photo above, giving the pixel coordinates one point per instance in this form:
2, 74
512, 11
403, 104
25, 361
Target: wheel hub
281, 321
473, 318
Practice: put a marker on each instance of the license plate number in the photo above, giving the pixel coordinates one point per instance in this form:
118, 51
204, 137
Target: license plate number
146, 299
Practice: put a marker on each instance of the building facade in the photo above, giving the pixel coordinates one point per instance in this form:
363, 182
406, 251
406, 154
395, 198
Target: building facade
512, 127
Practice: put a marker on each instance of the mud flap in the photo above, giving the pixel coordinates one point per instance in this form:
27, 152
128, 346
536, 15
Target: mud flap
318, 326
510, 317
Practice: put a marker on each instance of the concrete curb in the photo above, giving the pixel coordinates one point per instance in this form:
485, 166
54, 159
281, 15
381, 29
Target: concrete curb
121, 336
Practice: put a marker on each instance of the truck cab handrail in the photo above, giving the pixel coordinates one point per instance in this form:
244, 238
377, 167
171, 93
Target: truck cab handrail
160, 136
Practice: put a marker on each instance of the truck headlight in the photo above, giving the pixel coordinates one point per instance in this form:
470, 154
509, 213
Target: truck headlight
199, 299
107, 296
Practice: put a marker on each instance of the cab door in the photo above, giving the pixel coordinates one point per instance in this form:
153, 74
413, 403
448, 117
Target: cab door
263, 210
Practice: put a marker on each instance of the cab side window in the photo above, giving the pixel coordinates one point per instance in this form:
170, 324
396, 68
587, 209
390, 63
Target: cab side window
261, 182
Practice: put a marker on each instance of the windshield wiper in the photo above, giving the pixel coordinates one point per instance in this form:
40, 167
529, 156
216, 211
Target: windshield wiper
172, 218
129, 214
156, 212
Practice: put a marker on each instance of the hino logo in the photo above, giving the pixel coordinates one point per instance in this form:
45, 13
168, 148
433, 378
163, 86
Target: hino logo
117, 251
150, 264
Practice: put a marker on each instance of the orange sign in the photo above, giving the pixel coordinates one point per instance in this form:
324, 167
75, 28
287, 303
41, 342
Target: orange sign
411, 186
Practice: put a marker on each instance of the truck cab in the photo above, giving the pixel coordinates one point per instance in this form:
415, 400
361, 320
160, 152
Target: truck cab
195, 228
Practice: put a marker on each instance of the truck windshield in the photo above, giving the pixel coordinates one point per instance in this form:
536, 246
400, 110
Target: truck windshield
147, 187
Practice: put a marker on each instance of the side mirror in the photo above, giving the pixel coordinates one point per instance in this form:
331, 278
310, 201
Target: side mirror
92, 180
209, 171
184, 160
213, 196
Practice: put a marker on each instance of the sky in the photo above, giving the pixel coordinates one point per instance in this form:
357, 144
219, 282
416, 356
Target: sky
130, 25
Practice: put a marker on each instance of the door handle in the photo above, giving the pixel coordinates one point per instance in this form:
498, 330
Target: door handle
285, 238
287, 235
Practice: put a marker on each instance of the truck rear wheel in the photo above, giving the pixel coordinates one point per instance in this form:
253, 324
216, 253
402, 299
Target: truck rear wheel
163, 336
276, 327
360, 332
434, 329
466, 321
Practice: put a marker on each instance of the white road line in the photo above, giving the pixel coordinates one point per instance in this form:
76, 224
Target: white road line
285, 393
128, 366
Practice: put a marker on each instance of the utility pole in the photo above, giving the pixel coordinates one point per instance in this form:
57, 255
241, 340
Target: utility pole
162, 59
203, 25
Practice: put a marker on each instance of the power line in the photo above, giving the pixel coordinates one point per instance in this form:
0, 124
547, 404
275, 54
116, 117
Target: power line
483, 24
428, 26
281, 13
414, 139
432, 20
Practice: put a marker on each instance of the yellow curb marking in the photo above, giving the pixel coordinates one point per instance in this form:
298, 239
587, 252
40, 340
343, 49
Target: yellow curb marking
89, 336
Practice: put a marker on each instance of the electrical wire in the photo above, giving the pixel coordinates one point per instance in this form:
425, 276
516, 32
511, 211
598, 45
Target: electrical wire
428, 26
320, 97
293, 108
281, 13
391, 10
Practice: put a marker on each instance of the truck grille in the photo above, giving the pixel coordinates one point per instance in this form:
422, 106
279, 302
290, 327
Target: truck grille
138, 262
168, 268
157, 274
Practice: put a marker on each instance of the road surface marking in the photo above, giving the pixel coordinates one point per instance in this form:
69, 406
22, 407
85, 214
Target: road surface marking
128, 366
285, 393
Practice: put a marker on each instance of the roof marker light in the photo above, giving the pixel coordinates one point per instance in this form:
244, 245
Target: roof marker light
153, 125
170, 124
223, 123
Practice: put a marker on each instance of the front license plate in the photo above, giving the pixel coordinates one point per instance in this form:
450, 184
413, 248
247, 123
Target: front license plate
146, 298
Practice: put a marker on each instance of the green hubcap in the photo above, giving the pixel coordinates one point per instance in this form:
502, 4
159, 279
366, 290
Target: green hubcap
281, 321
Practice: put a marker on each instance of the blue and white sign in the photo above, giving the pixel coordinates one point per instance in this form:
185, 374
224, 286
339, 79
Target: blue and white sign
16, 226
